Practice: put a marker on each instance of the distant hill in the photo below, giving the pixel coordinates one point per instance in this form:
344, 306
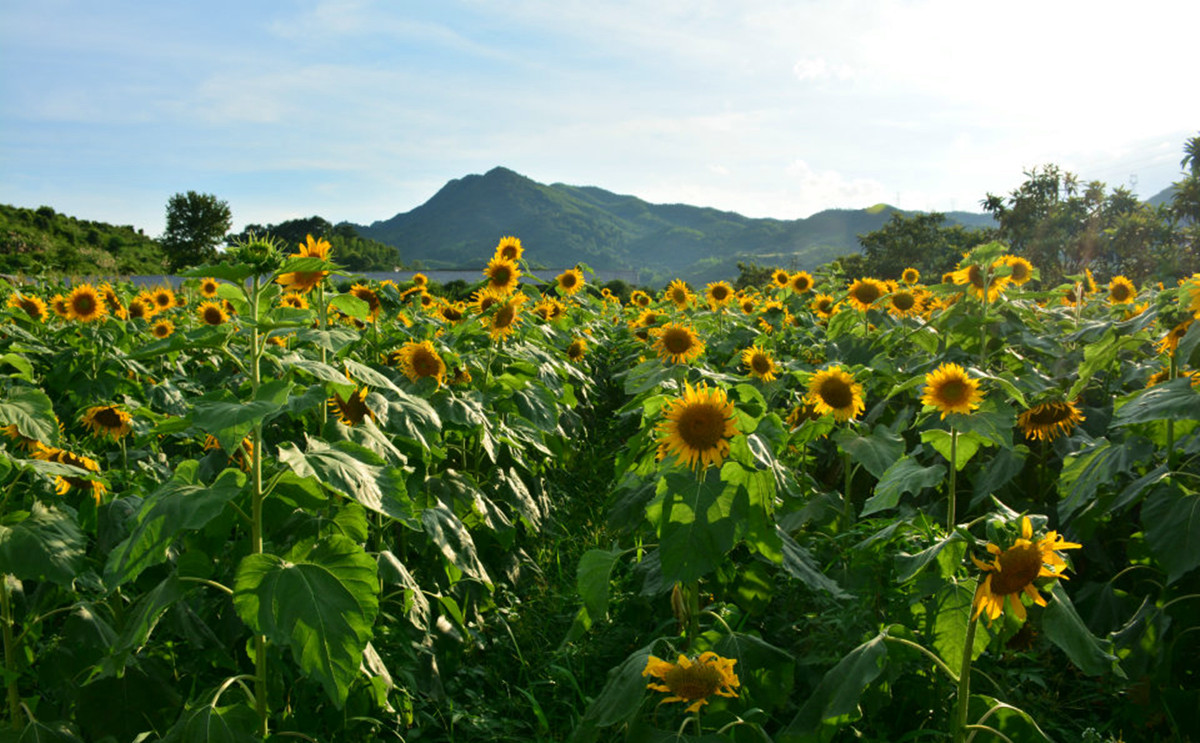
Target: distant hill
41, 241
560, 225
1162, 197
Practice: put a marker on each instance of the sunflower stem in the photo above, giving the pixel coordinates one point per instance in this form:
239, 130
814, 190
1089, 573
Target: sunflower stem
847, 502
964, 682
1170, 422
952, 492
256, 507
10, 655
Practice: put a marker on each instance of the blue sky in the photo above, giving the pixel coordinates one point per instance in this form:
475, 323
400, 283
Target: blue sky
358, 110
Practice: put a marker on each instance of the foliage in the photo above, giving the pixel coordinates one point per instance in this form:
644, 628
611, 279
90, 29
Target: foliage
354, 252
41, 241
196, 225
921, 241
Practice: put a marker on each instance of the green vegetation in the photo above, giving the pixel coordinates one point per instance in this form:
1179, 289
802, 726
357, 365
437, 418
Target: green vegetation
354, 252
41, 241
196, 225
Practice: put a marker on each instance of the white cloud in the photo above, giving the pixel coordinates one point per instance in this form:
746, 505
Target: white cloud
818, 69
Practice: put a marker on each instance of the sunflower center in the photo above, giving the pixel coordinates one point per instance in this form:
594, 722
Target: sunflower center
505, 316
701, 426
212, 316
568, 281
425, 364
84, 304
501, 275
697, 681
977, 277
952, 391
677, 341
108, 417
1020, 272
824, 305
867, 293
353, 410
801, 283
903, 301
760, 363
1019, 566
1120, 293
836, 393
720, 293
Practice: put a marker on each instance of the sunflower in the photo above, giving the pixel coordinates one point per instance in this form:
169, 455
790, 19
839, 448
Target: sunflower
368, 295
60, 306
209, 287
904, 303
304, 281
801, 282
678, 293
509, 249
677, 343
950, 390
577, 349
834, 390
1090, 281
718, 294
162, 328
107, 420
569, 281
163, 298
138, 309
13, 432
910, 276
781, 278
420, 361
1170, 341
352, 410
824, 305
1012, 571
112, 301
1021, 269
693, 682
32, 306
549, 308
865, 292
640, 298
976, 278
760, 363
696, 428
420, 279
244, 455
452, 312
801, 414
64, 483
504, 319
1049, 420
1121, 291
502, 275
85, 304
748, 304
211, 313
294, 299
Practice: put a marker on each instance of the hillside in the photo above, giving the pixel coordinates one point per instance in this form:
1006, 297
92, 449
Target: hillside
561, 225
42, 241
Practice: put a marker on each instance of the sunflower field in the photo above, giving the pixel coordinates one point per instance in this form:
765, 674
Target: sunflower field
280, 502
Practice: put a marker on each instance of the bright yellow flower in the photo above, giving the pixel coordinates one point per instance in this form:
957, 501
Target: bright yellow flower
696, 429
1012, 572
693, 681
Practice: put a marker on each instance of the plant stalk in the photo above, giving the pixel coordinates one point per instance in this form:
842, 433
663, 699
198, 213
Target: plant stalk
952, 494
964, 683
256, 509
10, 655
847, 502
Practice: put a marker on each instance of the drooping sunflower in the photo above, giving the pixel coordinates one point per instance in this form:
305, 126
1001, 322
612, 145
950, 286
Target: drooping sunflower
368, 295
824, 305
569, 281
502, 276
295, 300
577, 350
640, 298
801, 282
693, 681
834, 390
910, 276
208, 287
503, 320
718, 294
304, 281
31, 305
696, 428
107, 420
484, 299
85, 304
352, 410
1121, 291
759, 363
1021, 270
647, 319
421, 361
211, 313
1169, 342
1049, 420
64, 483
1090, 281
549, 308
951, 390
781, 278
677, 344
509, 249
162, 328
112, 301
866, 292
163, 298
452, 312
1013, 571
678, 293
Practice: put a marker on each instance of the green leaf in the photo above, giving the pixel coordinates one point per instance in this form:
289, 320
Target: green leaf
235, 272
765, 671
341, 383
237, 723
351, 305
622, 694
952, 613
1064, 627
447, 531
140, 622
41, 732
693, 521
393, 573
320, 600
906, 475
967, 445
31, 411
1171, 519
593, 576
1175, 400
342, 470
20, 363
801, 565
176, 506
834, 702
46, 544
907, 566
876, 452
1095, 468
230, 422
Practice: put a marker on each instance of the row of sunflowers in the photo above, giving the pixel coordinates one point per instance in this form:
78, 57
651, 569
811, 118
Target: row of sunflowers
255, 505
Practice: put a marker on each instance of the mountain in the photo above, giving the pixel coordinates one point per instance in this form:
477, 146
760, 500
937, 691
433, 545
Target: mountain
1164, 196
562, 225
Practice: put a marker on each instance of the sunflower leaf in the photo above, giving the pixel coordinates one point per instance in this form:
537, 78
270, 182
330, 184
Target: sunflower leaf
905, 475
46, 544
876, 451
31, 411
835, 701
693, 522
1065, 628
968, 443
1171, 519
1174, 400
352, 306
592, 579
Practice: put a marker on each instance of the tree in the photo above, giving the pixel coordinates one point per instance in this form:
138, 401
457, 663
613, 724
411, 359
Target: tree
196, 224
920, 241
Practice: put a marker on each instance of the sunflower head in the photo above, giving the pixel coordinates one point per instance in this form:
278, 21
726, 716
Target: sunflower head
951, 390
640, 298
420, 279
138, 309
162, 328
866, 292
910, 276
420, 361
904, 303
1020, 270
696, 429
502, 275
569, 281
352, 410
504, 317
209, 287
824, 305
678, 293
1013, 570
759, 363
801, 282
294, 300
31, 305
577, 349
834, 391
212, 313
1121, 291
509, 249
781, 278
677, 344
163, 299
452, 312
85, 304
368, 295
1049, 420
107, 420
693, 682
718, 294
